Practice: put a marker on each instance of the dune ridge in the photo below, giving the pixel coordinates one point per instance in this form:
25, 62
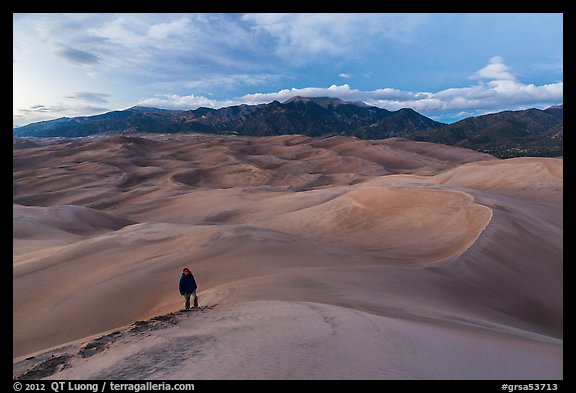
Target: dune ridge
405, 241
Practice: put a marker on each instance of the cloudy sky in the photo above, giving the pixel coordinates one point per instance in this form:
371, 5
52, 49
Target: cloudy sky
445, 66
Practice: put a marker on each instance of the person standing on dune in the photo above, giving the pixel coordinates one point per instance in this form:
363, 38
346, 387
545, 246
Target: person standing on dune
188, 287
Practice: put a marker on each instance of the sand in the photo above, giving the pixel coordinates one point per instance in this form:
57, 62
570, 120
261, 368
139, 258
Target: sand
354, 259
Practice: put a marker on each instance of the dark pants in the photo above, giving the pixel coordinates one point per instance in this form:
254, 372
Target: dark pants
187, 298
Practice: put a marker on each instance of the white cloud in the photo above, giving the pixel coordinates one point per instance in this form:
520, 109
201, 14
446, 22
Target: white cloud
174, 101
166, 30
495, 70
343, 91
345, 76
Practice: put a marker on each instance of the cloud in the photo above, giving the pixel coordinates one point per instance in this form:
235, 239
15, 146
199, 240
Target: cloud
166, 30
91, 97
154, 45
70, 110
295, 37
343, 91
174, 101
495, 70
41, 112
42, 109
175, 43
345, 76
493, 95
77, 56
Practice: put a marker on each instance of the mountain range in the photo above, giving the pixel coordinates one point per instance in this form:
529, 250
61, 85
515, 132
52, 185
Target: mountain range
530, 132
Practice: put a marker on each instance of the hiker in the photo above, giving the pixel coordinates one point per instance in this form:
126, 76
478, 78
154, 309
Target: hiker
188, 287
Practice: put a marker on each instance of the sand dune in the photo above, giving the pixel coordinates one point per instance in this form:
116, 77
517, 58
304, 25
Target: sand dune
20, 143
533, 176
315, 340
46, 222
422, 224
432, 261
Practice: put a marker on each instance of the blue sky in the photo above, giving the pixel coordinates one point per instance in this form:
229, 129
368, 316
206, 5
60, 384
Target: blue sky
445, 66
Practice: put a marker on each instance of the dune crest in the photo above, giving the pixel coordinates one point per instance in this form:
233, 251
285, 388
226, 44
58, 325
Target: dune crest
316, 341
427, 224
